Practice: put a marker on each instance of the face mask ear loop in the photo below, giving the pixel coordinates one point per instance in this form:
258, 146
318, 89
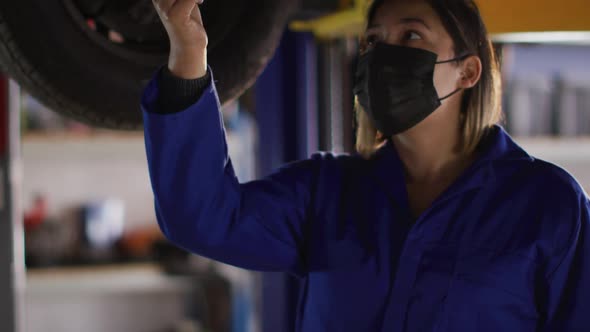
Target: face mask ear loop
453, 60
450, 94
459, 58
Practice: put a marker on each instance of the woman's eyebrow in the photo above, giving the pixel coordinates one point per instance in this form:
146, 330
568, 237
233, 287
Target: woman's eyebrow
414, 20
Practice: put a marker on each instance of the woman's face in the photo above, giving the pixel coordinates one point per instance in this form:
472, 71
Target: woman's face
413, 23
410, 23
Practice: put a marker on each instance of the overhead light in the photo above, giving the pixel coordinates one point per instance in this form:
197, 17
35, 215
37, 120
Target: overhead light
548, 37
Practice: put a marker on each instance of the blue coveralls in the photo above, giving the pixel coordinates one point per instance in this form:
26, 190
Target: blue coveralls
505, 248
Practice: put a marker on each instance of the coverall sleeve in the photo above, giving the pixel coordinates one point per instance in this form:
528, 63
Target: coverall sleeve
569, 282
200, 204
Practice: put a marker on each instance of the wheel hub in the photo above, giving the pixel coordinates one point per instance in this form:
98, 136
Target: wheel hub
121, 25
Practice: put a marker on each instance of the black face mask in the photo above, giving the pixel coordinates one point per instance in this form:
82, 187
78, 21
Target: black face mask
395, 86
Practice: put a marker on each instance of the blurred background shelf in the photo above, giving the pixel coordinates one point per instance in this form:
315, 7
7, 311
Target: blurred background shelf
140, 277
60, 136
131, 298
70, 169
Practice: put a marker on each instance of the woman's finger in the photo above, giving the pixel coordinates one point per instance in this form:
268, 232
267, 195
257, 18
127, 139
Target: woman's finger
182, 9
163, 7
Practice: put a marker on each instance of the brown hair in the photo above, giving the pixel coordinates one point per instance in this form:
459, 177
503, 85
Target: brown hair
481, 105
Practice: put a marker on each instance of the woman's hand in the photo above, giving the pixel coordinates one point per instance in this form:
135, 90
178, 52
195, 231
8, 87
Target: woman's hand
188, 38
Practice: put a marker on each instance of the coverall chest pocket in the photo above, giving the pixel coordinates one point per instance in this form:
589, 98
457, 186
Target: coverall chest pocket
431, 285
491, 291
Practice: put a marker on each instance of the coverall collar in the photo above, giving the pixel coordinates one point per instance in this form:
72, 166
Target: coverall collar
496, 147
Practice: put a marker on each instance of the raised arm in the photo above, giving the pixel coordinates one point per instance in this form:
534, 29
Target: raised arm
200, 204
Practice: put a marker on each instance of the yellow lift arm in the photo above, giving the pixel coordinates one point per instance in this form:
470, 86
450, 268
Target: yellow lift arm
501, 17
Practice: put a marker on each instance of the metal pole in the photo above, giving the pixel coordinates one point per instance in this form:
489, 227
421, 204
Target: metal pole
12, 266
336, 111
286, 109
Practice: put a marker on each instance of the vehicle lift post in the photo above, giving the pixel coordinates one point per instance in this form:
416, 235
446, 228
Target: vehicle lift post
12, 258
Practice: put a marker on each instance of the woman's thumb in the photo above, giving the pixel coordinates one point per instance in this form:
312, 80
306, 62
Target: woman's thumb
196, 14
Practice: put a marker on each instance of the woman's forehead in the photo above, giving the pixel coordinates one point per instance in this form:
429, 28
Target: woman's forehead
402, 11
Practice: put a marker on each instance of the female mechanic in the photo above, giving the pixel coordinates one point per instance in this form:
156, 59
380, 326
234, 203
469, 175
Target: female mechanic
439, 222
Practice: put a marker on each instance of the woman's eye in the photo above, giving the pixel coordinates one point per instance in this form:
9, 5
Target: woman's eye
412, 35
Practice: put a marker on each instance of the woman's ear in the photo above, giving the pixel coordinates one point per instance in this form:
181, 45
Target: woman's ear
470, 72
